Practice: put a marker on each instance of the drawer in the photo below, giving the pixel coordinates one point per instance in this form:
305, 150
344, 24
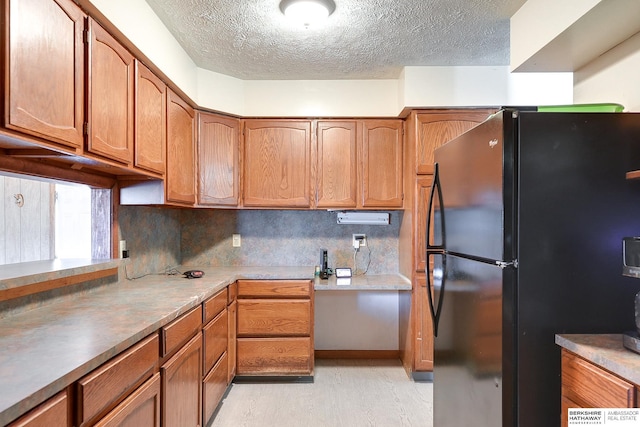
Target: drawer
141, 409
274, 317
214, 305
215, 339
274, 356
233, 292
274, 288
180, 330
52, 413
213, 387
590, 386
116, 378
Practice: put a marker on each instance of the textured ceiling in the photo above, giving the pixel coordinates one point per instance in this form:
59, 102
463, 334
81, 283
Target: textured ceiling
362, 39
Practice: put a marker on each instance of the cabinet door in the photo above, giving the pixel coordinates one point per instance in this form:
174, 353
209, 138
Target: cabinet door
115, 379
337, 176
141, 409
275, 356
45, 70
215, 341
435, 129
218, 160
151, 120
381, 163
52, 413
213, 387
111, 94
277, 163
261, 318
423, 326
232, 344
180, 177
423, 188
592, 387
182, 386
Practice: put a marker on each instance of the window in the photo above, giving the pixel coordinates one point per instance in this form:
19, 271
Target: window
45, 219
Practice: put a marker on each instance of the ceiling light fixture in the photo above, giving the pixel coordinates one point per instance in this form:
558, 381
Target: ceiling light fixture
307, 12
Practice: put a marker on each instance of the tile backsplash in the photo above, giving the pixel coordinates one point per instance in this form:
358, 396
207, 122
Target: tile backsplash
153, 238
159, 238
285, 238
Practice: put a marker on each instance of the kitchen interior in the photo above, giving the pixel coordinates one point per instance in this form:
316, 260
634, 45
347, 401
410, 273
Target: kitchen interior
112, 340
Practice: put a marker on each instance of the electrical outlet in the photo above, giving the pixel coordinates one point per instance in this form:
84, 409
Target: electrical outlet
359, 240
236, 241
122, 248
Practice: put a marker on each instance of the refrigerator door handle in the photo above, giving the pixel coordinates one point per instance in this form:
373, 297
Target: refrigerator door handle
435, 186
436, 310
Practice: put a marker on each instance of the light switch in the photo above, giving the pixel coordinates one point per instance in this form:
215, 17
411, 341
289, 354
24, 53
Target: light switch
237, 242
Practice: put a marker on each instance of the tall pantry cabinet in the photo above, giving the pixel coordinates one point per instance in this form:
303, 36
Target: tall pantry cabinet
426, 130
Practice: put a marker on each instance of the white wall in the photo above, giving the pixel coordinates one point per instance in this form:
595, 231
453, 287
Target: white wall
137, 21
612, 77
478, 86
321, 98
416, 86
539, 22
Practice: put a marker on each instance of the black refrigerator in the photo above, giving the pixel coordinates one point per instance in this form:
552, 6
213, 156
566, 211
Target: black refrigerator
528, 213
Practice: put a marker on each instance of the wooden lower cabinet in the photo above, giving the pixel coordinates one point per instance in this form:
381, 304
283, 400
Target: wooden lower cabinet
141, 409
275, 328
182, 386
215, 335
232, 339
175, 377
586, 385
214, 386
423, 327
275, 356
259, 317
114, 380
52, 413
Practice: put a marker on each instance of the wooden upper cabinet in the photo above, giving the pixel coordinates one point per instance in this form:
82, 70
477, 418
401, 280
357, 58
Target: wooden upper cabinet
381, 163
151, 120
337, 164
277, 163
433, 129
180, 176
44, 95
111, 95
218, 160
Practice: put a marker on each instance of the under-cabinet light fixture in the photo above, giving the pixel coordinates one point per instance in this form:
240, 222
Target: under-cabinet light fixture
307, 12
365, 218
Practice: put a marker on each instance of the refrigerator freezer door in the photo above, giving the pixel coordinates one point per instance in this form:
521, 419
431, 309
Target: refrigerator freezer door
468, 386
471, 180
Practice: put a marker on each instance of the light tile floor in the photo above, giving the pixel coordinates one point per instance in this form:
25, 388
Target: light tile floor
345, 393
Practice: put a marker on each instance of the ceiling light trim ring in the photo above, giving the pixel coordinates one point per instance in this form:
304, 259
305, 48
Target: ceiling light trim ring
328, 4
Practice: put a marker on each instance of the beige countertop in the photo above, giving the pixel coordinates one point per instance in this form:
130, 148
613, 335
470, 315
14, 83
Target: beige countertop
606, 351
45, 349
